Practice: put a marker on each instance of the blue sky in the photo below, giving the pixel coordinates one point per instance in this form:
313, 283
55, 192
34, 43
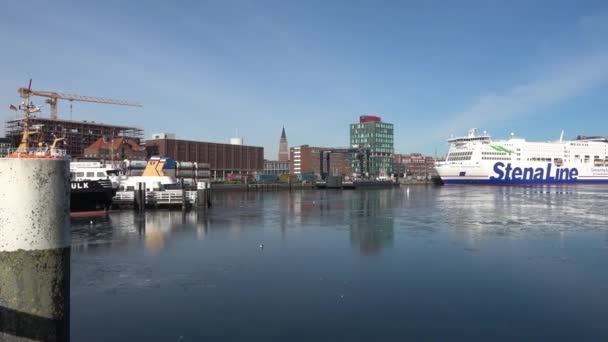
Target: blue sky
203, 69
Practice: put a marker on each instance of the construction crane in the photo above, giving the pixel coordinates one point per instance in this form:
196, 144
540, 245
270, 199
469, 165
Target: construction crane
54, 96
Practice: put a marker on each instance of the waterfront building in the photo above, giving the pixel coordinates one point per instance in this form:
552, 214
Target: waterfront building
399, 170
283, 149
306, 160
372, 133
416, 165
276, 167
115, 149
6, 147
223, 159
78, 134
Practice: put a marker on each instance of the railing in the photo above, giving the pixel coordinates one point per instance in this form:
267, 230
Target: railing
40, 152
164, 197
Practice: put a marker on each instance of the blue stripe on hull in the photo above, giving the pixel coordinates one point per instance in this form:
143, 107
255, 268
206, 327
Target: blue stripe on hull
523, 181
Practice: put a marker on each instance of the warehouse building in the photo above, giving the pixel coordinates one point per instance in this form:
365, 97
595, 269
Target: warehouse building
223, 159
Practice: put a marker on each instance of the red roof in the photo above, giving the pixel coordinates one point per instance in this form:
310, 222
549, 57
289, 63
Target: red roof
116, 143
369, 118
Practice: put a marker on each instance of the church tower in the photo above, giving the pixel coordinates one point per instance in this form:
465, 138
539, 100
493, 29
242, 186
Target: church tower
283, 150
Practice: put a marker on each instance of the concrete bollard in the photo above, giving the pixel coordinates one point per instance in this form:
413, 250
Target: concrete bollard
34, 250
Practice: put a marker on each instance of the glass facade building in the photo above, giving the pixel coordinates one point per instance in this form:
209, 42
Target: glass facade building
371, 132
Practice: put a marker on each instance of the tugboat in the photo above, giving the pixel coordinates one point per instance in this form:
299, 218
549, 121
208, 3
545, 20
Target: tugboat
91, 187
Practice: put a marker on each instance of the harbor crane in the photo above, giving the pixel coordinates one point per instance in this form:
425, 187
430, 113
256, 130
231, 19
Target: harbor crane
54, 96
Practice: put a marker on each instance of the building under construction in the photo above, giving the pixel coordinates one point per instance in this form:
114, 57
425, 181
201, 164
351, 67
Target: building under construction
78, 134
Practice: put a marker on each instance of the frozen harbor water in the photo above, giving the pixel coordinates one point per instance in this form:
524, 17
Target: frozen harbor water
442, 263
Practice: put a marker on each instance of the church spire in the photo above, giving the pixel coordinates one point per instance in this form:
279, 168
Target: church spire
283, 149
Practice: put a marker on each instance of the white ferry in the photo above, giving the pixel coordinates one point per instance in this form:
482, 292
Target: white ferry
477, 159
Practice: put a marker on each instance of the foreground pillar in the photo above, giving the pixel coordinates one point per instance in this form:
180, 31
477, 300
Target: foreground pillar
34, 250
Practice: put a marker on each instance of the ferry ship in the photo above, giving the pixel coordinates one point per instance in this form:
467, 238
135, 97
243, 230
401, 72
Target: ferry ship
477, 159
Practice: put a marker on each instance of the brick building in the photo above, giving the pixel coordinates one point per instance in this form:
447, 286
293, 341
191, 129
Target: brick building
416, 164
306, 160
115, 149
224, 159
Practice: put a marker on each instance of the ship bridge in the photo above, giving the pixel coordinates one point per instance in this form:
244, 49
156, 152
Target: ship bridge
471, 136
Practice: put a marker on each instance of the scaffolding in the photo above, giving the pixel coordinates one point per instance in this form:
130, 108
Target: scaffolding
78, 134
6, 147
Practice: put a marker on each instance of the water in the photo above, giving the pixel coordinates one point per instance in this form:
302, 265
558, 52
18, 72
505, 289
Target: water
434, 263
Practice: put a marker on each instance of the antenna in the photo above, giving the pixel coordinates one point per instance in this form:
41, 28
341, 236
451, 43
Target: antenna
561, 136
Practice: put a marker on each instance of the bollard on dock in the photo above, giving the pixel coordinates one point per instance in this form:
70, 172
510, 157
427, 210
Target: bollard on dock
34, 250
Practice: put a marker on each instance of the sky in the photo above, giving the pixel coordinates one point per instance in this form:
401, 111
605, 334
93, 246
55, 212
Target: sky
207, 69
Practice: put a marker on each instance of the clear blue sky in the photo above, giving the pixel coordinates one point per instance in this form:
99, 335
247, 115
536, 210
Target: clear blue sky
206, 68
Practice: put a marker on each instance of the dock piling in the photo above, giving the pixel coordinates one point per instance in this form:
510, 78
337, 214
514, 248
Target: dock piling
34, 250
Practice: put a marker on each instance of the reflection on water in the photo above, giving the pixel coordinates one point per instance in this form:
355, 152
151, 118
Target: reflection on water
437, 262
371, 221
371, 216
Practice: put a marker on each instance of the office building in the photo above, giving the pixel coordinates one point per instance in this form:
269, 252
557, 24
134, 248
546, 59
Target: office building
372, 133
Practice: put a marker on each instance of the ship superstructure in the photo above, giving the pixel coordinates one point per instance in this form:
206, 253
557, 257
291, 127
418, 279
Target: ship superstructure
477, 159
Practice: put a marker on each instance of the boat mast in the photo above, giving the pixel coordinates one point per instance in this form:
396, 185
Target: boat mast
25, 139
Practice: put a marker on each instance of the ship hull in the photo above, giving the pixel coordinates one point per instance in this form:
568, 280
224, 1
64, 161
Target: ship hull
91, 195
506, 173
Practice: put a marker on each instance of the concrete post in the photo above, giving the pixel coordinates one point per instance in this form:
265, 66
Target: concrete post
139, 196
184, 200
34, 250
208, 195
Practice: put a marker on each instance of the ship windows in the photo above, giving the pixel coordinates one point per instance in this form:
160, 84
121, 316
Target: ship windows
90, 174
495, 156
79, 174
456, 156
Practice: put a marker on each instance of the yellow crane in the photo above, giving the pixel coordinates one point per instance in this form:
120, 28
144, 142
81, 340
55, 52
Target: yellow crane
54, 96
29, 108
